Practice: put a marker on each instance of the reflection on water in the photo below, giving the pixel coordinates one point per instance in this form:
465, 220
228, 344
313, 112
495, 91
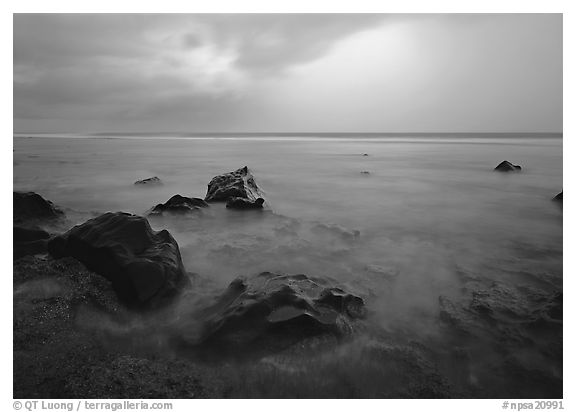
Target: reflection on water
456, 262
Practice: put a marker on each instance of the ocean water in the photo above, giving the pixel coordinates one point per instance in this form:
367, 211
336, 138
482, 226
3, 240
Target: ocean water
430, 220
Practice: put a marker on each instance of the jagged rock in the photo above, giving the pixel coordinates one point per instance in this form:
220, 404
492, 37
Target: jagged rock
31, 206
179, 204
151, 181
268, 305
144, 266
558, 197
242, 204
506, 166
239, 183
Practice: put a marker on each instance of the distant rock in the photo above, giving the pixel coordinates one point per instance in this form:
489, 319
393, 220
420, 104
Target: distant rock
179, 204
364, 172
30, 206
239, 183
558, 197
243, 204
268, 307
365, 154
144, 266
506, 166
151, 181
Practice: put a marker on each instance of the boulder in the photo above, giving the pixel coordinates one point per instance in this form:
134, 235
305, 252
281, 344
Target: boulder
31, 206
144, 266
288, 307
239, 183
506, 166
179, 204
558, 197
243, 204
151, 181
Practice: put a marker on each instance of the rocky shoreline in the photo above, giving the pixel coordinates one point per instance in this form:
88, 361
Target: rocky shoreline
115, 270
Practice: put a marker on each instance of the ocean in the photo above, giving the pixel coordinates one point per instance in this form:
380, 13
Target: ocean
419, 225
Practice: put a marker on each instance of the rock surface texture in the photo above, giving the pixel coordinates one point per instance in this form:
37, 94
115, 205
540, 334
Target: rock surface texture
239, 183
179, 204
258, 309
506, 166
243, 204
144, 266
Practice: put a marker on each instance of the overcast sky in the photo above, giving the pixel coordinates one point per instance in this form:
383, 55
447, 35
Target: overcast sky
287, 73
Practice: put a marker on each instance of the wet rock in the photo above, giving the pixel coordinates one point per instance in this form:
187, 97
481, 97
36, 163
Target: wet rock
289, 307
144, 266
243, 204
151, 181
179, 204
239, 183
29, 241
506, 166
30, 206
558, 197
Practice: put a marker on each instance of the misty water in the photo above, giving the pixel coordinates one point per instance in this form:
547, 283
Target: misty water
430, 220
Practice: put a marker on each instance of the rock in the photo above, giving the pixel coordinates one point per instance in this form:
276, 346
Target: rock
29, 241
365, 154
558, 197
31, 206
243, 204
239, 183
364, 172
268, 306
144, 266
338, 231
151, 181
179, 204
506, 166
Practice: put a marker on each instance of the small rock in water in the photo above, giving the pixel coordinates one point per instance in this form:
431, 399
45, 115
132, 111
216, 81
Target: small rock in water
239, 183
364, 172
506, 166
144, 266
244, 204
384, 272
151, 181
179, 204
365, 154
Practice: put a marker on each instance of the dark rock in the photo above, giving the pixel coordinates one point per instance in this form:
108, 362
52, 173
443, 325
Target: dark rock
151, 181
506, 166
558, 197
365, 154
260, 308
32, 206
29, 241
243, 204
179, 204
239, 183
364, 172
144, 266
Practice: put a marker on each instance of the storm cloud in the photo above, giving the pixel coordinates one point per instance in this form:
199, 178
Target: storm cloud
287, 72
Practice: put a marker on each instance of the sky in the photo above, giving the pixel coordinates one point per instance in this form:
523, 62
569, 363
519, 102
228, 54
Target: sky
93, 73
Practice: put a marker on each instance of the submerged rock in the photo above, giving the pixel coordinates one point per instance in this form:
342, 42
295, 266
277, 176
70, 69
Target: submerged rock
32, 206
242, 204
179, 204
151, 181
558, 197
364, 172
239, 183
144, 266
289, 307
506, 166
